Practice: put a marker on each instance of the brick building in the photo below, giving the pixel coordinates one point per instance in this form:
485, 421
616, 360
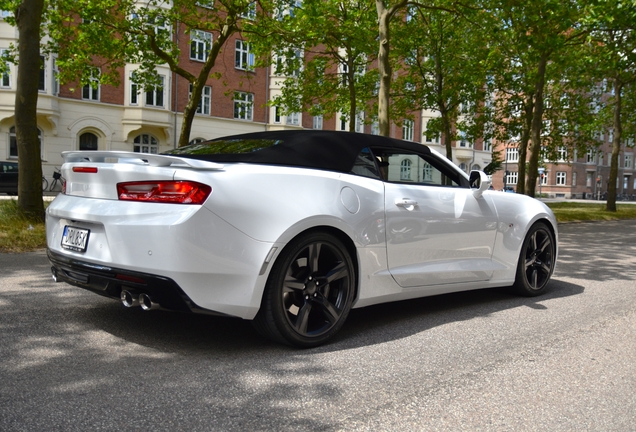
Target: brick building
129, 118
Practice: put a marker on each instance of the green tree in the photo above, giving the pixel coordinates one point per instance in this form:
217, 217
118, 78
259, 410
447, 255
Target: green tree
613, 47
108, 34
27, 17
322, 50
393, 13
531, 45
443, 70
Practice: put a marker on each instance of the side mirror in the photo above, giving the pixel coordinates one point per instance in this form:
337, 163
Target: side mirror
479, 182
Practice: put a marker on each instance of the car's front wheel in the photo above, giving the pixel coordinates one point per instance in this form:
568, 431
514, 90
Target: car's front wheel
536, 261
309, 292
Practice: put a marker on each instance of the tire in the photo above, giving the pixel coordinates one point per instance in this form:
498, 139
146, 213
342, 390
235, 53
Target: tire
45, 184
536, 261
309, 292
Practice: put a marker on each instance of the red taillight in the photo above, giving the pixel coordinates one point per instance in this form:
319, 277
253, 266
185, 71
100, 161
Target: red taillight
171, 192
91, 170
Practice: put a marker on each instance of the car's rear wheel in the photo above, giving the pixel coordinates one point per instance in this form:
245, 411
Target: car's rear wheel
536, 261
309, 292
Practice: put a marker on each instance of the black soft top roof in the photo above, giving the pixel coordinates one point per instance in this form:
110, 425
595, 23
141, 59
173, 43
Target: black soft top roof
328, 150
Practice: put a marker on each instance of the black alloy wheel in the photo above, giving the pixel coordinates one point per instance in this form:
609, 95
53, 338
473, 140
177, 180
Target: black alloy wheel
536, 261
309, 292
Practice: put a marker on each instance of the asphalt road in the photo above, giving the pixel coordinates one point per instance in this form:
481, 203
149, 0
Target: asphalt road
484, 360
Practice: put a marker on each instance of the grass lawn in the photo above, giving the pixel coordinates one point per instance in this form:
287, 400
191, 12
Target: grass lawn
18, 234
594, 211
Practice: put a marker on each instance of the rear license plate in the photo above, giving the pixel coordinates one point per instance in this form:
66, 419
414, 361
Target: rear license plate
75, 238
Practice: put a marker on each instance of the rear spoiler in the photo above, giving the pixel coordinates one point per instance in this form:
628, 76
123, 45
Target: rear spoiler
139, 159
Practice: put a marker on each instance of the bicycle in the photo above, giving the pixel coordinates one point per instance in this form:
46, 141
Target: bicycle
45, 184
57, 178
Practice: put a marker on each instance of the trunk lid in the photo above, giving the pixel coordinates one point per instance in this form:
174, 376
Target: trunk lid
95, 174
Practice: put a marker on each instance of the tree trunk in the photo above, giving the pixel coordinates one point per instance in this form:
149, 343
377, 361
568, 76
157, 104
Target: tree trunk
28, 19
384, 69
537, 122
616, 148
447, 133
351, 81
197, 86
523, 144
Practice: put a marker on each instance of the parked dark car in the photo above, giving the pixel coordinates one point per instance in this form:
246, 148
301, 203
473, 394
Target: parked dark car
9, 178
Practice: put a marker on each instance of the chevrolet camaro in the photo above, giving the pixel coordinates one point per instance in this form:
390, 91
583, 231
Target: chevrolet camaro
291, 229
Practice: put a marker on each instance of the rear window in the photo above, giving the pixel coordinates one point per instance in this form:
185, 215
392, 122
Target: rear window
225, 147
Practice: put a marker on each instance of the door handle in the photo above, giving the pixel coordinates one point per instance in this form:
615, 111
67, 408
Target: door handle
408, 204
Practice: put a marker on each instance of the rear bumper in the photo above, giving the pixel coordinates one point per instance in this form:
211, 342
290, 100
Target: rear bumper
110, 281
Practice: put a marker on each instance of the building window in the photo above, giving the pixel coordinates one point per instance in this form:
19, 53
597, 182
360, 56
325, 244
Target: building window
574, 178
154, 96
512, 154
206, 98
475, 167
487, 144
200, 45
588, 179
88, 141
405, 170
42, 80
431, 136
134, 90
543, 179
277, 116
55, 81
250, 11
561, 178
408, 128
625, 182
317, 123
629, 161
589, 157
243, 59
600, 158
343, 123
91, 90
6, 75
463, 141
427, 172
562, 154
13, 144
243, 105
145, 143
360, 122
375, 128
293, 119
512, 177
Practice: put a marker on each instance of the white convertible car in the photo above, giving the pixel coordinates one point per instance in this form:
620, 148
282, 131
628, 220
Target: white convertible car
291, 229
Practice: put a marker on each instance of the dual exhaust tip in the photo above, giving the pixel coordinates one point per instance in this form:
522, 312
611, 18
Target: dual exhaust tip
134, 299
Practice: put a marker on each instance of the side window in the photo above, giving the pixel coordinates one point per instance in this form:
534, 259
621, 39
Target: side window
413, 168
365, 165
